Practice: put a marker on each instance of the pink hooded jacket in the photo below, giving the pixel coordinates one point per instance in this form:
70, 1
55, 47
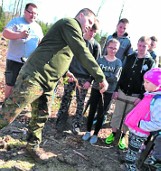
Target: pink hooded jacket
140, 112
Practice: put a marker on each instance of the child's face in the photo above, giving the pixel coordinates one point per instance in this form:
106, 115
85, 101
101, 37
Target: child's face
153, 45
142, 48
121, 29
90, 34
112, 49
149, 86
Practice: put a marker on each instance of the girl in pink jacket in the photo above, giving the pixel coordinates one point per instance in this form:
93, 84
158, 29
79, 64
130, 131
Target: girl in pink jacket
144, 118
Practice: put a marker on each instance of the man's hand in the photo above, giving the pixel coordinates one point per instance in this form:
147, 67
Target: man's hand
103, 86
24, 34
86, 85
70, 76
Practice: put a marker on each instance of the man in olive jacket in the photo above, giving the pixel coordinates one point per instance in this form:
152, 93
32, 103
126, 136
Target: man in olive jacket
46, 65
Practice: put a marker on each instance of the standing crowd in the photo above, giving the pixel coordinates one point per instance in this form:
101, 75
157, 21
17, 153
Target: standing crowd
130, 78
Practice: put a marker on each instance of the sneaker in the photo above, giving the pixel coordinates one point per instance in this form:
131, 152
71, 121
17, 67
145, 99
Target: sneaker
86, 136
93, 139
122, 144
110, 139
76, 128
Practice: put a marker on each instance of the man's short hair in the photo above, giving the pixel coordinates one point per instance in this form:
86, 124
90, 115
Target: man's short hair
30, 4
86, 11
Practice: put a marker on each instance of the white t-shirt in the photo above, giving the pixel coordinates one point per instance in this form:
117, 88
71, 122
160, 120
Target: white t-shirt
23, 47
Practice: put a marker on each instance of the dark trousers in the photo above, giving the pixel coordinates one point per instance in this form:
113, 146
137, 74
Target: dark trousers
99, 104
67, 98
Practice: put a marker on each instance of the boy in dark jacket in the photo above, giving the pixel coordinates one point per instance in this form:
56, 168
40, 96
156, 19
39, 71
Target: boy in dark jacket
84, 81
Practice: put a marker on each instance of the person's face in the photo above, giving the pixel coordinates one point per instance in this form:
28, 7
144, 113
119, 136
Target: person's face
30, 14
149, 86
90, 34
86, 22
152, 45
142, 48
112, 48
121, 29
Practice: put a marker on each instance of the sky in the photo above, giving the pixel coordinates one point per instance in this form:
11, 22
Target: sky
143, 15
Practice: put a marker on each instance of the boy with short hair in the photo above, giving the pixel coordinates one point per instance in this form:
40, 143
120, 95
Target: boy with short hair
152, 48
125, 43
84, 82
122, 36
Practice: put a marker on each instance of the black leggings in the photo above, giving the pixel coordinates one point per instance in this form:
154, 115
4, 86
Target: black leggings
100, 105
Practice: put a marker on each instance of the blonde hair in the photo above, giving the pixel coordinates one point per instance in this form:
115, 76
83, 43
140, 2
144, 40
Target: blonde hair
145, 39
112, 40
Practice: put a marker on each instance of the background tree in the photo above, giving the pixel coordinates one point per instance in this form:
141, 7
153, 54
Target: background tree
45, 26
122, 9
1, 10
99, 8
99, 37
2, 19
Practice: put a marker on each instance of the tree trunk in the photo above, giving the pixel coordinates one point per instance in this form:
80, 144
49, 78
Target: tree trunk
21, 7
102, 3
1, 10
14, 9
17, 8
